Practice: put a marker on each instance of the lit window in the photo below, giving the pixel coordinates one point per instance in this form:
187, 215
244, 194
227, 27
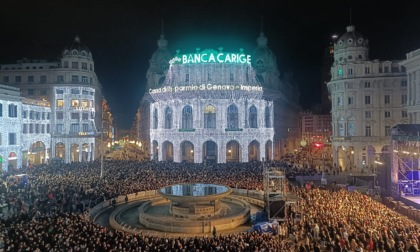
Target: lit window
75, 103
85, 103
210, 117
60, 103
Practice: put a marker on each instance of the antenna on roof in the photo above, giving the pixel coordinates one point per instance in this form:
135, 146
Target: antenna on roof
163, 30
350, 15
262, 24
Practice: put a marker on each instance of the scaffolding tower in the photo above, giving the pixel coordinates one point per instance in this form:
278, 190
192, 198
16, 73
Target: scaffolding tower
276, 196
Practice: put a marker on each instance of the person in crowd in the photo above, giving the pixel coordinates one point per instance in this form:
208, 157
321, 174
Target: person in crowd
336, 220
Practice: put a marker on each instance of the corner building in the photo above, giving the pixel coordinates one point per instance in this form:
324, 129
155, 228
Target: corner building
368, 98
74, 92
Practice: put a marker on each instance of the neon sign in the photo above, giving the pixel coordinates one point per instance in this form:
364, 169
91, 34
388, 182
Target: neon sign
205, 87
212, 56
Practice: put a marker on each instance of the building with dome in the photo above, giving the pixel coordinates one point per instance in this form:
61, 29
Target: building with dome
74, 93
368, 98
212, 105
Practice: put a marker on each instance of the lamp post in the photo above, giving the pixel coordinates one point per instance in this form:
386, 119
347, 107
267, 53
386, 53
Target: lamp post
102, 150
374, 174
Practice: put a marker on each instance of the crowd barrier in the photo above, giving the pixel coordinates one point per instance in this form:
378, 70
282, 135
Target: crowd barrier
400, 207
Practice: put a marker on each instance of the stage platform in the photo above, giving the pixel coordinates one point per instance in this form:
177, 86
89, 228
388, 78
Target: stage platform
413, 201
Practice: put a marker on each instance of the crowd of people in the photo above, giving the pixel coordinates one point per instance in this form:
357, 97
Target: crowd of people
51, 212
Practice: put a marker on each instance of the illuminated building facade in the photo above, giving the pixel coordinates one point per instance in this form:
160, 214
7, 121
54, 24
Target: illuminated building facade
10, 127
72, 88
210, 108
239, 106
36, 131
368, 98
25, 129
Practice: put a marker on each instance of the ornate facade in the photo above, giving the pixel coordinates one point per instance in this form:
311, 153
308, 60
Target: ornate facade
25, 130
210, 109
277, 98
368, 98
75, 94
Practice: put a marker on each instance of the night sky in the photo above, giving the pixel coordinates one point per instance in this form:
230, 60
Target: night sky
122, 35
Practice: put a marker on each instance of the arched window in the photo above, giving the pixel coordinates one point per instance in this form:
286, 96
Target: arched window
253, 115
168, 118
267, 117
187, 118
232, 117
210, 117
155, 119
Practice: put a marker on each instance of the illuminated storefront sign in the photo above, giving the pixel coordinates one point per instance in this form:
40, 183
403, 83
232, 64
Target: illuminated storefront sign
212, 56
205, 87
86, 133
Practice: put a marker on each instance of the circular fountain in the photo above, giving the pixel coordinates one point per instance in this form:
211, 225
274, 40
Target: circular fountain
194, 208
195, 201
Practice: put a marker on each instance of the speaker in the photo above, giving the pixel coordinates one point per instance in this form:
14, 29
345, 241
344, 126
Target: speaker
277, 209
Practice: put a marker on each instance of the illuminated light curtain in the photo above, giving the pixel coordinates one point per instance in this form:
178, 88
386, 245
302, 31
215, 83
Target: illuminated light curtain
210, 117
187, 117
168, 118
267, 117
253, 115
232, 117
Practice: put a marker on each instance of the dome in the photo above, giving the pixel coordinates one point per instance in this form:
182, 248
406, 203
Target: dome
351, 38
159, 62
263, 58
77, 48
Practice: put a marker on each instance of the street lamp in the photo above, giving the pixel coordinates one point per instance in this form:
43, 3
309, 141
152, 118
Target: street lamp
102, 150
374, 174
